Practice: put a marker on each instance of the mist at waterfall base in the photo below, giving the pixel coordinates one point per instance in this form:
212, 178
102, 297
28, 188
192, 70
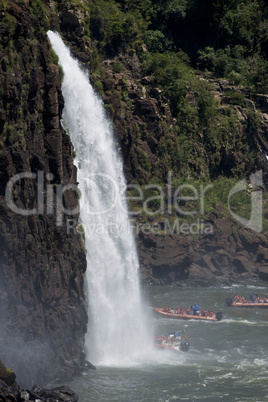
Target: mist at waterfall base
118, 332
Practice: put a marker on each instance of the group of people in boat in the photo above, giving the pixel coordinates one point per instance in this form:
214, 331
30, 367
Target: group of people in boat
193, 310
252, 299
176, 339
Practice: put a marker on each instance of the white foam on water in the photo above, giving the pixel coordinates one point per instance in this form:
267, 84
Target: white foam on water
231, 320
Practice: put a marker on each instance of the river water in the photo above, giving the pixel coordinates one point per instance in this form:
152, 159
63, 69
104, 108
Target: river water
227, 360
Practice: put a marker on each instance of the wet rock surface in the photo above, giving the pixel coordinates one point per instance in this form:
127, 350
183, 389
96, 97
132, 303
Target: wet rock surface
11, 391
43, 315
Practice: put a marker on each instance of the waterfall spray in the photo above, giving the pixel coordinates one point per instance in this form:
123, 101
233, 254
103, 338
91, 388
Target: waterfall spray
118, 331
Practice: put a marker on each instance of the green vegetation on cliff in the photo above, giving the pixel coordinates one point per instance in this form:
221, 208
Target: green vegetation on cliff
182, 46
178, 79
229, 38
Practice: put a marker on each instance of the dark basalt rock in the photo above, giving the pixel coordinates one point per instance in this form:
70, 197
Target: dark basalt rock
43, 317
7, 378
11, 391
58, 394
223, 258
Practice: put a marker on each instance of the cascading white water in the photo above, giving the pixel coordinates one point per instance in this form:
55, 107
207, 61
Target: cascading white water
118, 330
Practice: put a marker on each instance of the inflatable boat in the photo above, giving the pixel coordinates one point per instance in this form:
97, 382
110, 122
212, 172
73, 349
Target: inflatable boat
201, 316
246, 303
174, 341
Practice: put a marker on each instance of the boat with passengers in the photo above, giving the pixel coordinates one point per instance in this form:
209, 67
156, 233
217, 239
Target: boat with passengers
176, 341
253, 301
189, 314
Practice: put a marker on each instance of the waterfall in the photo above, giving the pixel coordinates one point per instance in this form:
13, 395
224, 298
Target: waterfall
118, 331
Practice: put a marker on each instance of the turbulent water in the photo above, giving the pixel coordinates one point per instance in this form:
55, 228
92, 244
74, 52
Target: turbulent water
118, 333
227, 360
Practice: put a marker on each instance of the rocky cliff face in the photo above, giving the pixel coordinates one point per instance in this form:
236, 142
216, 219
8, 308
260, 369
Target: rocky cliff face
42, 258
226, 255
10, 391
143, 119
144, 124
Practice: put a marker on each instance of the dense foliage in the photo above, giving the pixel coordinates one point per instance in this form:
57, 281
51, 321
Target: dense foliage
173, 41
226, 38
229, 38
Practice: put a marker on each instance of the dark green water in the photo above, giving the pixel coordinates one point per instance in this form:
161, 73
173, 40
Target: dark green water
227, 361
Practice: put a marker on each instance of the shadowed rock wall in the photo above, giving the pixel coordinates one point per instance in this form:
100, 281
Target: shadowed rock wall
43, 315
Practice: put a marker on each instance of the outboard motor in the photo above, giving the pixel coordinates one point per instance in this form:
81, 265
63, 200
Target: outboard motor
218, 316
184, 346
229, 301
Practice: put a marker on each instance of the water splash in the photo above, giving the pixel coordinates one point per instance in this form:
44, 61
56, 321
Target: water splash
118, 331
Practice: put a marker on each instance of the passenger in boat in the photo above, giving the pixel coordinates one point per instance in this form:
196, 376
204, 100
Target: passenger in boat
176, 334
167, 309
252, 297
195, 309
211, 313
171, 338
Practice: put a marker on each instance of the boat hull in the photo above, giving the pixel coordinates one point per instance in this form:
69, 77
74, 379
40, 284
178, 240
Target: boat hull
232, 303
167, 347
167, 314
